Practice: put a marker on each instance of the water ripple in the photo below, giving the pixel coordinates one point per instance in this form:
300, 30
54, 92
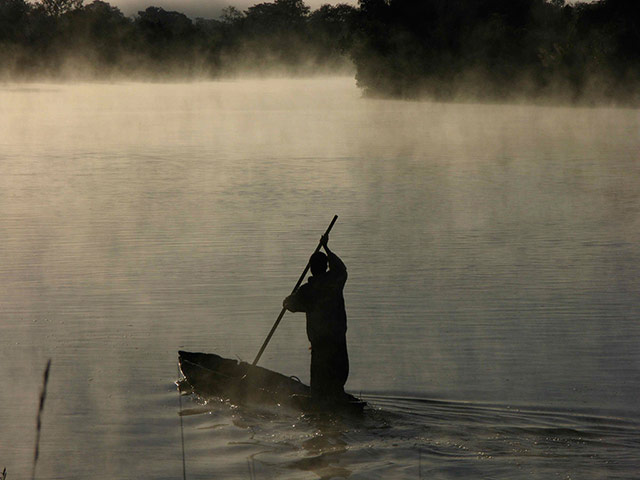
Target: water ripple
425, 438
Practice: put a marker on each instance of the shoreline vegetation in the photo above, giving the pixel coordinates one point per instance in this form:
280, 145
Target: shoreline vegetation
444, 50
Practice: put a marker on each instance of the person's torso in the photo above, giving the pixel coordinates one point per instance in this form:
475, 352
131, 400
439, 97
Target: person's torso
326, 317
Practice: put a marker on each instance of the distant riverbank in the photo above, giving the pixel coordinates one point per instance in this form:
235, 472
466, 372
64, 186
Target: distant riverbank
469, 50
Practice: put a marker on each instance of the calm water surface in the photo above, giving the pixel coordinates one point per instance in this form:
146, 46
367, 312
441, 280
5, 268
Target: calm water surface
493, 296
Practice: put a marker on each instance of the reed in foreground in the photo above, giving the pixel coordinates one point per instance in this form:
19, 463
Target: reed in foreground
43, 396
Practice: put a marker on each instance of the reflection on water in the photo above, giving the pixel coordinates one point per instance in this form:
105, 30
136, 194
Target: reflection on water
416, 438
492, 253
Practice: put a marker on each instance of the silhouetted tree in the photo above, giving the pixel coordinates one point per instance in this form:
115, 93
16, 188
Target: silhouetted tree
279, 16
231, 15
331, 28
56, 8
268, 35
165, 38
100, 32
158, 25
14, 18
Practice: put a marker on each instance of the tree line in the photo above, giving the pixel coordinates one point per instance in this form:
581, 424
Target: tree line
65, 38
441, 49
500, 49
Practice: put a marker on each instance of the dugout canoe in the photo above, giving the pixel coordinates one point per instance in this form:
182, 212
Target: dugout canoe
209, 375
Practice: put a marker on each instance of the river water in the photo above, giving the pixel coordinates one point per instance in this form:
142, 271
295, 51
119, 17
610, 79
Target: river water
493, 295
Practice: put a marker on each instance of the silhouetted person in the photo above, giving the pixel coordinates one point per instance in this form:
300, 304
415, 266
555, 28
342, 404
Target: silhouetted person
321, 299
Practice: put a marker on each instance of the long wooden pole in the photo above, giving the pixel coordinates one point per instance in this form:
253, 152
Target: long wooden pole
304, 273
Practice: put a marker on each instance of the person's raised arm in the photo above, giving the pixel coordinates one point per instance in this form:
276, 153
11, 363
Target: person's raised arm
335, 264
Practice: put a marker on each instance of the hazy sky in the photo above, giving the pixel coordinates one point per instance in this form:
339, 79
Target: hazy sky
201, 8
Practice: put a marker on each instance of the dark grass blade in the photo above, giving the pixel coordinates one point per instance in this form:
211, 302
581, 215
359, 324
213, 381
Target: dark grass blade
43, 396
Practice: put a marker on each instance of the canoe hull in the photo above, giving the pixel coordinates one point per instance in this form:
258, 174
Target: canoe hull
210, 375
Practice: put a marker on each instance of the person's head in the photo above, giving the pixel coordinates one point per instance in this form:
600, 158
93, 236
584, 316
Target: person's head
318, 263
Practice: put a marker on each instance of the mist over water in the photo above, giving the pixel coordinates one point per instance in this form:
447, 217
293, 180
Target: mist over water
492, 295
